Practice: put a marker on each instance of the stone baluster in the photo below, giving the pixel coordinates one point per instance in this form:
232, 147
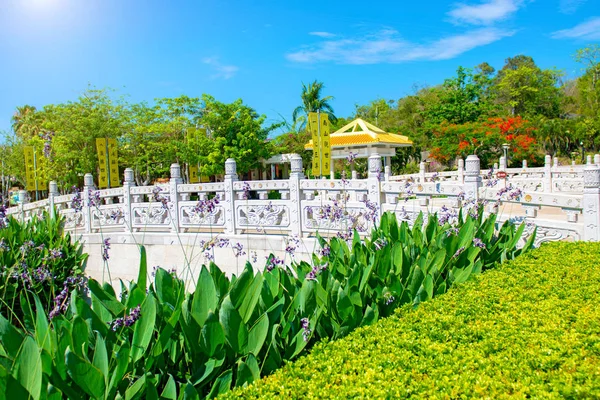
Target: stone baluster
588, 160
472, 177
296, 176
52, 192
422, 170
591, 203
461, 171
262, 195
88, 186
555, 162
597, 159
23, 199
128, 183
373, 181
524, 164
502, 163
548, 174
228, 201
174, 196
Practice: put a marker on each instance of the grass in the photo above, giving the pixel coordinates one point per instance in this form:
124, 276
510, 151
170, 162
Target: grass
529, 329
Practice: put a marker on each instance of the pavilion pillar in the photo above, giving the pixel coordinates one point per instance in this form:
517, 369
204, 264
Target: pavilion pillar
272, 172
332, 170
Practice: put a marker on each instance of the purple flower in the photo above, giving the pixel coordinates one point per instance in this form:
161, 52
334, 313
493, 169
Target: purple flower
3, 218
3, 245
459, 252
42, 274
388, 298
47, 137
208, 256
292, 244
478, 243
94, 199
325, 251
351, 158
105, 247
60, 302
372, 211
159, 197
220, 243
238, 250
76, 202
273, 261
128, 320
452, 231
246, 190
206, 206
379, 243
305, 324
115, 215
254, 257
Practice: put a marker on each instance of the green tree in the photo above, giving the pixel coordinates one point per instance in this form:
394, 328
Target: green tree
525, 89
26, 122
313, 101
588, 84
234, 131
464, 98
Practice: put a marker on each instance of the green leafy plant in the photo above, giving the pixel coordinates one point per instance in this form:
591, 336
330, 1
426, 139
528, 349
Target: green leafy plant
159, 341
37, 257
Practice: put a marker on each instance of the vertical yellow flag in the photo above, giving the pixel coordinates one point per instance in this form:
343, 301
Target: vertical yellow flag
42, 184
194, 178
102, 163
113, 163
313, 128
29, 168
325, 143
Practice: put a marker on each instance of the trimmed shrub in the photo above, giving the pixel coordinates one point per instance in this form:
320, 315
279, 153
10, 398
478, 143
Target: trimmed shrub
530, 329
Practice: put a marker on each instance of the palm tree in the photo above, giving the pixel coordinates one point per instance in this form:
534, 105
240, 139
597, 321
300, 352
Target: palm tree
25, 122
313, 102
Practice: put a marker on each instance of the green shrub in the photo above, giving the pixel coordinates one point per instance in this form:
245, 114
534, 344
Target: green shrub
530, 329
230, 332
36, 257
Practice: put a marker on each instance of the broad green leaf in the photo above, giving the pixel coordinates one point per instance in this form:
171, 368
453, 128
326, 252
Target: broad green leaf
10, 337
110, 302
143, 272
205, 297
143, 328
81, 335
257, 334
133, 390
28, 368
85, 375
212, 336
42, 333
248, 371
100, 359
170, 390
222, 384
235, 330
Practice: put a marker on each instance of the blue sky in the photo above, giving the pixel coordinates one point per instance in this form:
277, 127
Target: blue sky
262, 51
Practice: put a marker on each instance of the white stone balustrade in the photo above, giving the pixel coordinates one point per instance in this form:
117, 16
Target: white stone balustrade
562, 201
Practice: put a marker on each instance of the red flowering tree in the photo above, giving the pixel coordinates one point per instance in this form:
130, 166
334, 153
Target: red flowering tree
484, 139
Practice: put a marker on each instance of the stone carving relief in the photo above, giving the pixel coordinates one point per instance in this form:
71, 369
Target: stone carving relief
263, 215
189, 215
110, 216
151, 214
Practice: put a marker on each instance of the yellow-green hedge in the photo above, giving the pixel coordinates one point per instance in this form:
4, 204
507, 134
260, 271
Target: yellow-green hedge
530, 328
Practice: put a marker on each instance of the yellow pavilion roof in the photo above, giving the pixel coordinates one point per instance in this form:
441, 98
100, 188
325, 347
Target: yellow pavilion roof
360, 132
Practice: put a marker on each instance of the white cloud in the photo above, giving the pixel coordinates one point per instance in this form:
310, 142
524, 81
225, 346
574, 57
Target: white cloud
221, 71
322, 34
588, 30
485, 13
387, 46
570, 6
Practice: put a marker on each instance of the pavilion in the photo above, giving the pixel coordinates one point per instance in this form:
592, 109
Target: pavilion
364, 139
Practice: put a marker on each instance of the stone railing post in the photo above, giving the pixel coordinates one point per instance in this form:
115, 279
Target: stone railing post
374, 181
422, 169
174, 196
524, 164
461, 170
23, 199
88, 186
548, 173
52, 192
597, 159
502, 163
591, 203
128, 183
296, 175
472, 177
228, 203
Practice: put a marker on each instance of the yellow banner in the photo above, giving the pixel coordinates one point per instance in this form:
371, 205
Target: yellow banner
102, 163
42, 184
325, 143
29, 168
113, 162
313, 128
194, 178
